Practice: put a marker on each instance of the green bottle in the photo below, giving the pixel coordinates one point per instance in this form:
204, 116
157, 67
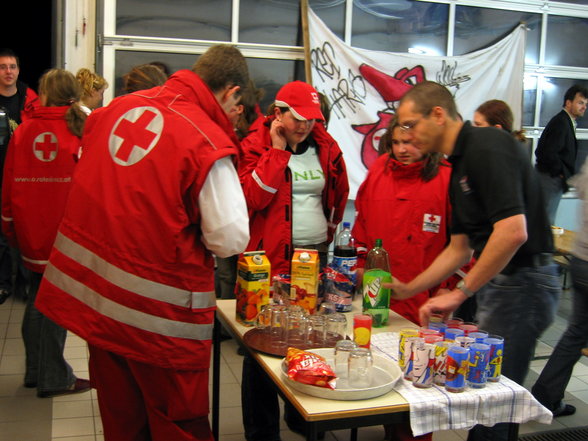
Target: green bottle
376, 300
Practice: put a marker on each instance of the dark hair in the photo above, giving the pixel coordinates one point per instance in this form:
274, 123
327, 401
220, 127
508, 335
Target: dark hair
250, 97
60, 88
164, 67
325, 108
573, 91
143, 76
498, 112
5, 52
431, 160
222, 65
429, 94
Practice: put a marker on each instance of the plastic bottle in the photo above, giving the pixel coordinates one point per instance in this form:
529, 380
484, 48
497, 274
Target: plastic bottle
345, 254
376, 300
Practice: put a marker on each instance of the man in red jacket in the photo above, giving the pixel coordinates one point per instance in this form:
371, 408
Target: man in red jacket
154, 195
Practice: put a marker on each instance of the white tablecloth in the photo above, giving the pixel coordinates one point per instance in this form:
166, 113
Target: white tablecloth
435, 409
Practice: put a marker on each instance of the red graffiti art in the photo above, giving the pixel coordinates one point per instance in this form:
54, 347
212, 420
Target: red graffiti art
391, 89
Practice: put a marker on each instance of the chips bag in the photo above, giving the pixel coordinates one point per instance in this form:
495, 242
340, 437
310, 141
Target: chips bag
308, 368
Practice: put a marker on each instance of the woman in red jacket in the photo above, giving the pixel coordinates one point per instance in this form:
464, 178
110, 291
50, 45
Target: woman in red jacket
405, 202
295, 183
37, 176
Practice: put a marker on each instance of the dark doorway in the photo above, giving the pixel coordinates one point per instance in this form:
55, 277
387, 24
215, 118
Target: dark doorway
27, 30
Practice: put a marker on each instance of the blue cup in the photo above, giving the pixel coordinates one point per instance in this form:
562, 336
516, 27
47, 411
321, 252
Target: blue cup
456, 368
496, 344
452, 333
478, 365
441, 327
479, 336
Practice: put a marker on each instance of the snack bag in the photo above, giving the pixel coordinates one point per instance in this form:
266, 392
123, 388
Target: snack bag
308, 368
338, 288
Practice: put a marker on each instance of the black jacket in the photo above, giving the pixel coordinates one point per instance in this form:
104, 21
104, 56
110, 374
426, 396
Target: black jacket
557, 148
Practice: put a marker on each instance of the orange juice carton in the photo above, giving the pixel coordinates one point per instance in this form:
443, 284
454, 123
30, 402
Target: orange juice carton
304, 279
253, 285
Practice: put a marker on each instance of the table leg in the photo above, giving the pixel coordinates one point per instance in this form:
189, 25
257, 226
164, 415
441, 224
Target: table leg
216, 348
353, 435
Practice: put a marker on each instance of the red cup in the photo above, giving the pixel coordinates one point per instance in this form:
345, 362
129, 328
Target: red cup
362, 330
468, 327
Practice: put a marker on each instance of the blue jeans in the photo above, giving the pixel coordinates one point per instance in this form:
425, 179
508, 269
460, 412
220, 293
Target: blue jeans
44, 342
550, 387
553, 190
5, 265
518, 307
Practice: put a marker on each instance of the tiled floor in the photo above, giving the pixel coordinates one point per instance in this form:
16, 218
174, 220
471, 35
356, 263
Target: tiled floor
24, 417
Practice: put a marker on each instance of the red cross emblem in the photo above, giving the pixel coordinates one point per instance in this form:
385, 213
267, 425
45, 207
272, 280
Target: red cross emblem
45, 147
135, 134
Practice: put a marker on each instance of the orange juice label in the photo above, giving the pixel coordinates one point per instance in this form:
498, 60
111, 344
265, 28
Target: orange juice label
253, 285
304, 278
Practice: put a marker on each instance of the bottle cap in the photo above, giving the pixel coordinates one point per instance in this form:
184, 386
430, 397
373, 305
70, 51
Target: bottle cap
257, 259
346, 225
378, 243
304, 257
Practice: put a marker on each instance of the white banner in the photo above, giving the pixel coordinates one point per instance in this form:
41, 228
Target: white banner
364, 86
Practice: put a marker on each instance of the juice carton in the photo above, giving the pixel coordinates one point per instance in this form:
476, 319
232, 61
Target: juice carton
305, 279
253, 285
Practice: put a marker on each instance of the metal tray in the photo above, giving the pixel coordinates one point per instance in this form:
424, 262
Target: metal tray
385, 375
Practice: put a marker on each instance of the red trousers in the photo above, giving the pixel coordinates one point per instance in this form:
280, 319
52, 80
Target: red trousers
140, 402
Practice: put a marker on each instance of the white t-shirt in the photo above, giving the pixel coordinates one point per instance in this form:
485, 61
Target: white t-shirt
309, 225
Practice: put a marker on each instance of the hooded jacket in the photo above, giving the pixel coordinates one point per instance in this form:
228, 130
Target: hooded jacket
267, 185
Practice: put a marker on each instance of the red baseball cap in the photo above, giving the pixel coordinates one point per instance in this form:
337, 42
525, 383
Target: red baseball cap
302, 99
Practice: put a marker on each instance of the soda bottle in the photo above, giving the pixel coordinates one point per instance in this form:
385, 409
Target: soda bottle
345, 255
376, 299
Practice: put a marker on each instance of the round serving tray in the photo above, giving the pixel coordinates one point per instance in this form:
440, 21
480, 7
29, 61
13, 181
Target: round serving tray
260, 341
385, 375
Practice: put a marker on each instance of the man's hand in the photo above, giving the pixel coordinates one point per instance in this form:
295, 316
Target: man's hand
398, 290
443, 304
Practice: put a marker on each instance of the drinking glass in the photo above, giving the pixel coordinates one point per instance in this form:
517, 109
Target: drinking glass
360, 368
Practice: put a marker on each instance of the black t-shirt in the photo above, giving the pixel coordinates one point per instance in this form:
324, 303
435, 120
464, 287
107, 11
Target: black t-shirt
12, 105
493, 179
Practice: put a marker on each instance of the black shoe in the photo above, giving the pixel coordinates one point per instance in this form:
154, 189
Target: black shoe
564, 410
4, 294
30, 384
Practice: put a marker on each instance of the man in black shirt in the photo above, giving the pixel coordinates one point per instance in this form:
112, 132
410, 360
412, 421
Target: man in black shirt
499, 216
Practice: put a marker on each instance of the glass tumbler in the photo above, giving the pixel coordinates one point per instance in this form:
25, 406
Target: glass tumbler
336, 326
342, 350
360, 366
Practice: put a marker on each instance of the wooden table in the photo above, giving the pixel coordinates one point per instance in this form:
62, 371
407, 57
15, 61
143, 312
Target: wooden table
564, 242
321, 414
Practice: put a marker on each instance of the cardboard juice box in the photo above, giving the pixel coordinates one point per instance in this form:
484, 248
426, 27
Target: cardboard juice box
253, 285
304, 279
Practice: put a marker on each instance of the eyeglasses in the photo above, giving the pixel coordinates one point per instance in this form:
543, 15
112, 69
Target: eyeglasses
410, 125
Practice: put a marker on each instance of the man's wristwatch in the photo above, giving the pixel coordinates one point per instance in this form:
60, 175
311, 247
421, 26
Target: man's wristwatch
463, 288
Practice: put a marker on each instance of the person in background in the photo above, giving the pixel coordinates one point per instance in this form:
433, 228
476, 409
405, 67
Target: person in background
155, 195
143, 76
39, 167
241, 116
550, 387
558, 147
93, 87
163, 66
498, 214
496, 113
19, 102
295, 183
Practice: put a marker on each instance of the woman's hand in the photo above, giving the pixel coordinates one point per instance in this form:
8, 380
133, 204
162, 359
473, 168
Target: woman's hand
277, 134
398, 290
